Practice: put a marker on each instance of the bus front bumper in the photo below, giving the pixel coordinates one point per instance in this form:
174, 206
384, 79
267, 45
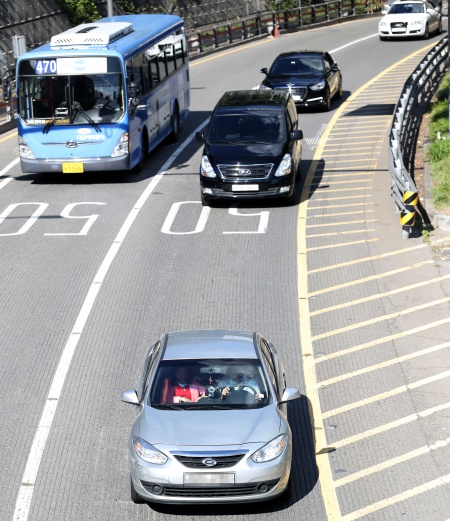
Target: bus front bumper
97, 164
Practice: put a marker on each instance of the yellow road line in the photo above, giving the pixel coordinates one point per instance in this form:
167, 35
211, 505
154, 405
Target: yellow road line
334, 234
367, 259
378, 341
342, 244
391, 425
397, 498
381, 318
329, 495
339, 223
14, 134
321, 207
388, 394
367, 279
380, 295
392, 462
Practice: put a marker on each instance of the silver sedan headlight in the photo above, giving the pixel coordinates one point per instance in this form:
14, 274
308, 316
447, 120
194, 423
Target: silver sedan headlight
271, 450
147, 452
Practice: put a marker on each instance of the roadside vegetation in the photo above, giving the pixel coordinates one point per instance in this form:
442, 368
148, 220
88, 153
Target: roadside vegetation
439, 150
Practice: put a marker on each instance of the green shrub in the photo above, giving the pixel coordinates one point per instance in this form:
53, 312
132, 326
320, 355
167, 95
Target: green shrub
439, 151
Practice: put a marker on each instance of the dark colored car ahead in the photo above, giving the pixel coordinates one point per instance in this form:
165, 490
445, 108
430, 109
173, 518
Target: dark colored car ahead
252, 147
312, 77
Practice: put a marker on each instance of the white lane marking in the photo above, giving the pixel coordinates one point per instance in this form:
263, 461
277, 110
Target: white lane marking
40, 438
7, 168
353, 43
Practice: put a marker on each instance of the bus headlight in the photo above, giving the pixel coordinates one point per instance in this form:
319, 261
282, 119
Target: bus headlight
24, 149
121, 148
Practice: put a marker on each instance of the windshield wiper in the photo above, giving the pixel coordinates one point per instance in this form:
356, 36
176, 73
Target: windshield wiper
167, 406
60, 112
252, 142
78, 109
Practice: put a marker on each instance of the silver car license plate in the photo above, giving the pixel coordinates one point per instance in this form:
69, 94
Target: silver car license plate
204, 479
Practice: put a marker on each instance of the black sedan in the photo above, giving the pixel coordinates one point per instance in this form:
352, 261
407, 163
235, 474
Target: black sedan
312, 77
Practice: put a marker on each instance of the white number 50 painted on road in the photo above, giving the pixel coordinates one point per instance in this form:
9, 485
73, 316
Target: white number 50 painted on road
201, 223
41, 207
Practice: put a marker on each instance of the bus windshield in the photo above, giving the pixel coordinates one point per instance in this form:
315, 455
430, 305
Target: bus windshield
71, 99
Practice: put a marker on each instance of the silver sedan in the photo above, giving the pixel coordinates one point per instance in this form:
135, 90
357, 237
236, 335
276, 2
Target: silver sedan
212, 420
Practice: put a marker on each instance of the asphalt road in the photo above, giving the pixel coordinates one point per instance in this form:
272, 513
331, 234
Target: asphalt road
95, 268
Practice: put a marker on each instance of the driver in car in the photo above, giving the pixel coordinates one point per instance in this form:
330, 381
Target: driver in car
239, 377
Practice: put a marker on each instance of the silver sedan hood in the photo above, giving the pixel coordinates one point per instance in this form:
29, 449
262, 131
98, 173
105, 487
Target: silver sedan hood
209, 427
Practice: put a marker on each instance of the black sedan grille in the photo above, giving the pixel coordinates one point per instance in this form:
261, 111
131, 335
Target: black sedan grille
295, 91
245, 171
196, 462
246, 489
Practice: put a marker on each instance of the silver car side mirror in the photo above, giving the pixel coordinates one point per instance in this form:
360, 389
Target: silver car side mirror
130, 396
290, 393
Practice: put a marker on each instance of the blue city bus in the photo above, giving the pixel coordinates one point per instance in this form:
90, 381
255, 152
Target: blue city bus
102, 95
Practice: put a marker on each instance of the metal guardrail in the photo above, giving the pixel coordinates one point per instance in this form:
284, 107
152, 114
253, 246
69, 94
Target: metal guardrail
210, 38
414, 99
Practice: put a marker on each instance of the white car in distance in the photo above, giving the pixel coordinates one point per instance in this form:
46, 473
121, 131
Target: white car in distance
410, 18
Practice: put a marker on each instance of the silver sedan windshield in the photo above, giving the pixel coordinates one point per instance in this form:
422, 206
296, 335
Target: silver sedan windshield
209, 384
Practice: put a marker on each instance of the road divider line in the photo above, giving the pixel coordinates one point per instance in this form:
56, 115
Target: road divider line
392, 462
380, 295
330, 500
367, 259
383, 340
445, 480
342, 245
334, 234
368, 279
34, 459
7, 168
381, 318
387, 394
330, 225
391, 425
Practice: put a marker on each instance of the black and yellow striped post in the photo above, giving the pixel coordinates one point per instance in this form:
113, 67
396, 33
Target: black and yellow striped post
407, 217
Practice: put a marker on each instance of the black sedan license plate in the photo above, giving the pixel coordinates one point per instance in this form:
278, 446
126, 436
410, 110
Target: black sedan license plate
205, 479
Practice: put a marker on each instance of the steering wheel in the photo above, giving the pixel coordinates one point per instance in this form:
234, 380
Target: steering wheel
242, 387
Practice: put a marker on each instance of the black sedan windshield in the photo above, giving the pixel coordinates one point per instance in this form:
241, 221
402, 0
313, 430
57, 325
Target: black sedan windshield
254, 127
297, 64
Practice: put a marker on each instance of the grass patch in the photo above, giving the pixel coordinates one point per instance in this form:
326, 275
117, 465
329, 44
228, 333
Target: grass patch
439, 151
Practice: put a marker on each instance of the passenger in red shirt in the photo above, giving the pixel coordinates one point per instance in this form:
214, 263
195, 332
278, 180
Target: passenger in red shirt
179, 390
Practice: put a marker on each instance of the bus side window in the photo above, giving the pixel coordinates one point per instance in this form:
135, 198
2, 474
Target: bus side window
162, 66
154, 72
179, 53
170, 59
